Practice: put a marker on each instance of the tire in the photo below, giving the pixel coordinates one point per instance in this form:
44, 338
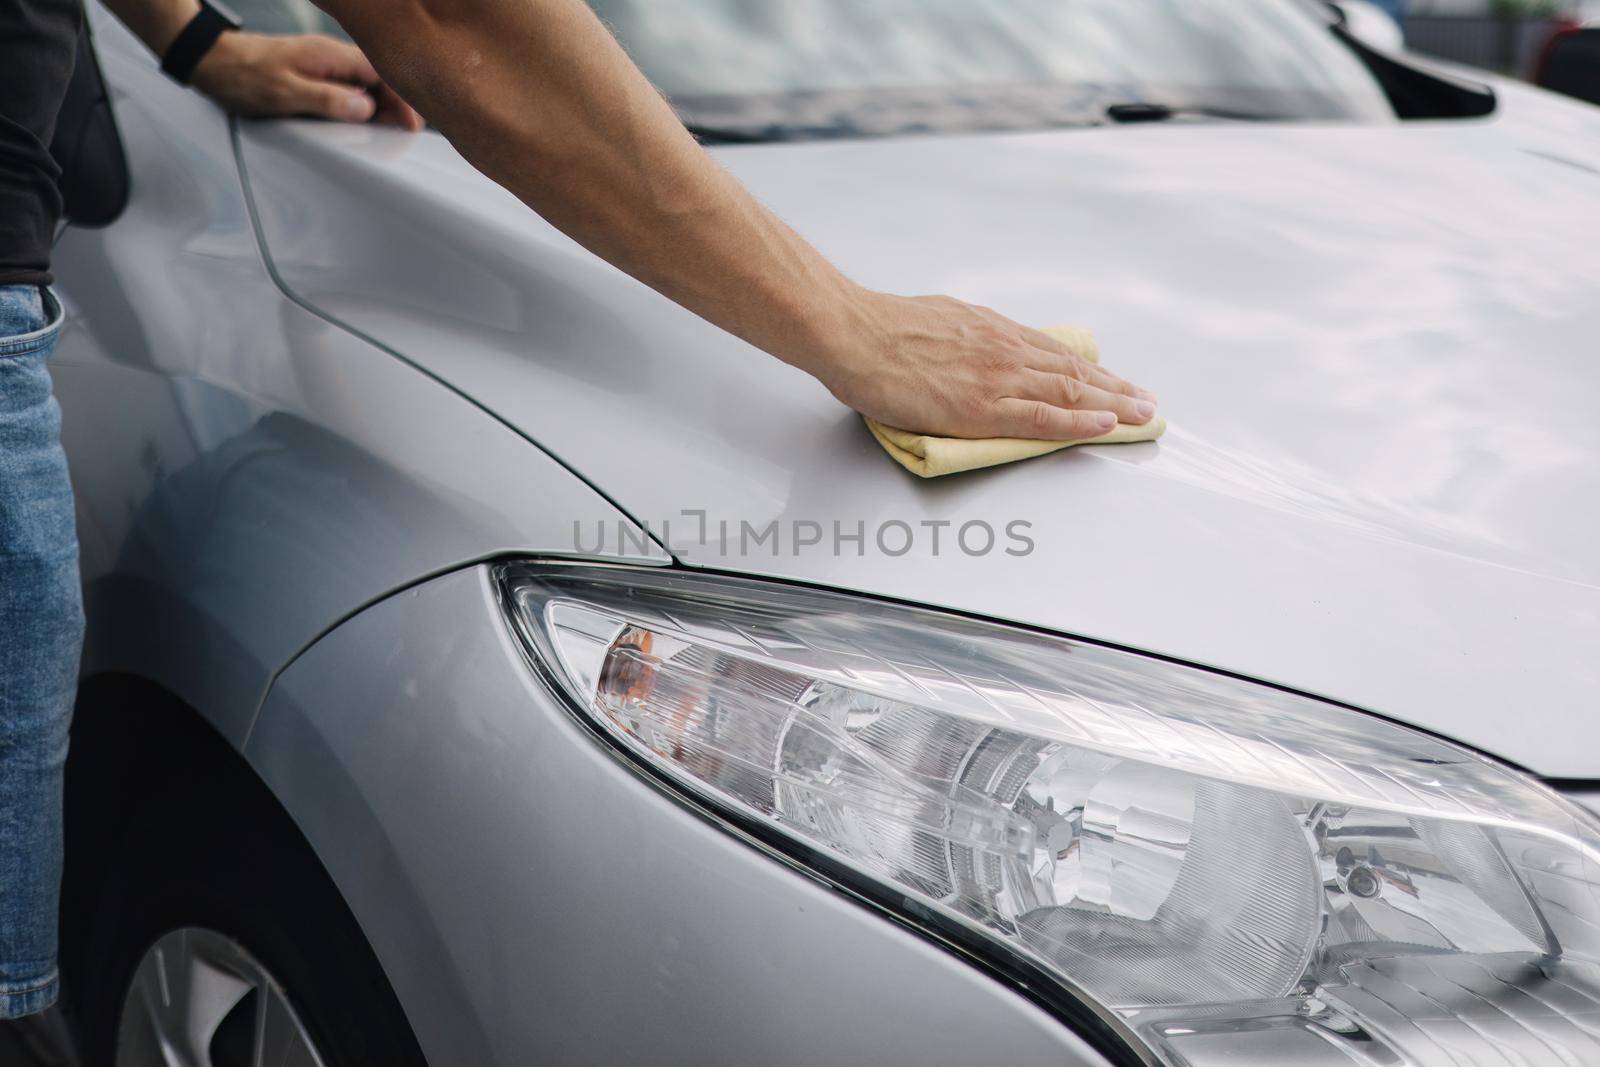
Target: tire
219, 858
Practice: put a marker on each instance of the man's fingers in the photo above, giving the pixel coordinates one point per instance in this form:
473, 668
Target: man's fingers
326, 59
1065, 392
394, 111
1089, 373
1036, 420
329, 100
1061, 359
1040, 339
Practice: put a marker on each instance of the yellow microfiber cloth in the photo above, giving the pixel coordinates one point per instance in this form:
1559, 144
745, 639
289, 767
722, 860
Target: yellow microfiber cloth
930, 457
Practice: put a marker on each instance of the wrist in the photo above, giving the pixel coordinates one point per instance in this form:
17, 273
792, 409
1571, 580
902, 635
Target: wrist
197, 39
228, 53
846, 336
164, 22
830, 331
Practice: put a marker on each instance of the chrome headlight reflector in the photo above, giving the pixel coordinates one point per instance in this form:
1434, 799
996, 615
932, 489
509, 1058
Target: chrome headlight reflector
1223, 869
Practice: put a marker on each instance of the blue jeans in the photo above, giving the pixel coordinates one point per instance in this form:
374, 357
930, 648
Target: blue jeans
41, 634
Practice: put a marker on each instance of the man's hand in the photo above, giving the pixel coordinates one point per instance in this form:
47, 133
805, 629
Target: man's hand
261, 74
258, 74
936, 365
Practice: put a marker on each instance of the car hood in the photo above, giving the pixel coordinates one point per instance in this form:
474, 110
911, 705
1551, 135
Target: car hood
1376, 345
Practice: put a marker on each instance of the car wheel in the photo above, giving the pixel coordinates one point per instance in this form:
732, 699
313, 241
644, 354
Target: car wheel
217, 939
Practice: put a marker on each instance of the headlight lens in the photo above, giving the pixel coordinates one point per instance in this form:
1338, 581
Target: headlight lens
1228, 869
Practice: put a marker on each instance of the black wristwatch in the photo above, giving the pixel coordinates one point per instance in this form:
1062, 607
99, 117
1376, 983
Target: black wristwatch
195, 40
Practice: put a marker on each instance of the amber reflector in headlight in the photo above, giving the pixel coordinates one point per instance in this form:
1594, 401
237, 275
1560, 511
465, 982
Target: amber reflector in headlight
1229, 872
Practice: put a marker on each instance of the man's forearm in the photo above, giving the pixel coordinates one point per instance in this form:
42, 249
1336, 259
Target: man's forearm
566, 122
538, 96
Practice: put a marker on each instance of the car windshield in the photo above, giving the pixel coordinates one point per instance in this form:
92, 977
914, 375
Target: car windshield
767, 70
841, 67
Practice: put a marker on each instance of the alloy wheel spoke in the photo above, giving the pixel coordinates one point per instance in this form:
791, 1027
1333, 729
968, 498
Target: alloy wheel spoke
186, 1007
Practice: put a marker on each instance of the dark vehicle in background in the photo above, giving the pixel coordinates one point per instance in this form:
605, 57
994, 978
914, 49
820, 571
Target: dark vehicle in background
1570, 63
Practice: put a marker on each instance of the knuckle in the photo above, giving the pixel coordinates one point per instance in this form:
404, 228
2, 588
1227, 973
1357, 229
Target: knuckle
970, 405
1039, 416
1000, 363
1072, 391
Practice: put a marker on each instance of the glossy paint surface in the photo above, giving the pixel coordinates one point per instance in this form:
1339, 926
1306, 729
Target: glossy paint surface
1376, 346
613, 927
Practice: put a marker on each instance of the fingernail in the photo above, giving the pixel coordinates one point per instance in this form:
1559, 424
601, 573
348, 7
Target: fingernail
355, 107
1145, 409
1148, 395
1105, 420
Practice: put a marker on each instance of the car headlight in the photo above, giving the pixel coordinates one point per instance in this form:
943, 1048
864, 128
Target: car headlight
1220, 871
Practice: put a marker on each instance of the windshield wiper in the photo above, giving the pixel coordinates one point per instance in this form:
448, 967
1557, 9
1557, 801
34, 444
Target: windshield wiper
1143, 112
715, 135
804, 119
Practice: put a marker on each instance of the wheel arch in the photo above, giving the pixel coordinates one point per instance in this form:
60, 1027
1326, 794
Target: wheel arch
139, 750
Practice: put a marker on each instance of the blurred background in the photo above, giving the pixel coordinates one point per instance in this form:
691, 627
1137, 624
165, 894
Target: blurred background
1506, 36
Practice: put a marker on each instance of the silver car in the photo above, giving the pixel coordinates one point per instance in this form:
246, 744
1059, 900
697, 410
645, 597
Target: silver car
490, 663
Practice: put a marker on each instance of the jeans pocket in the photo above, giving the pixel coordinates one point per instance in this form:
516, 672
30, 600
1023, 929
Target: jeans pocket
37, 341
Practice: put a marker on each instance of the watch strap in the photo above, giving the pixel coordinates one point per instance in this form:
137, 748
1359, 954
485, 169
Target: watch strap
195, 40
